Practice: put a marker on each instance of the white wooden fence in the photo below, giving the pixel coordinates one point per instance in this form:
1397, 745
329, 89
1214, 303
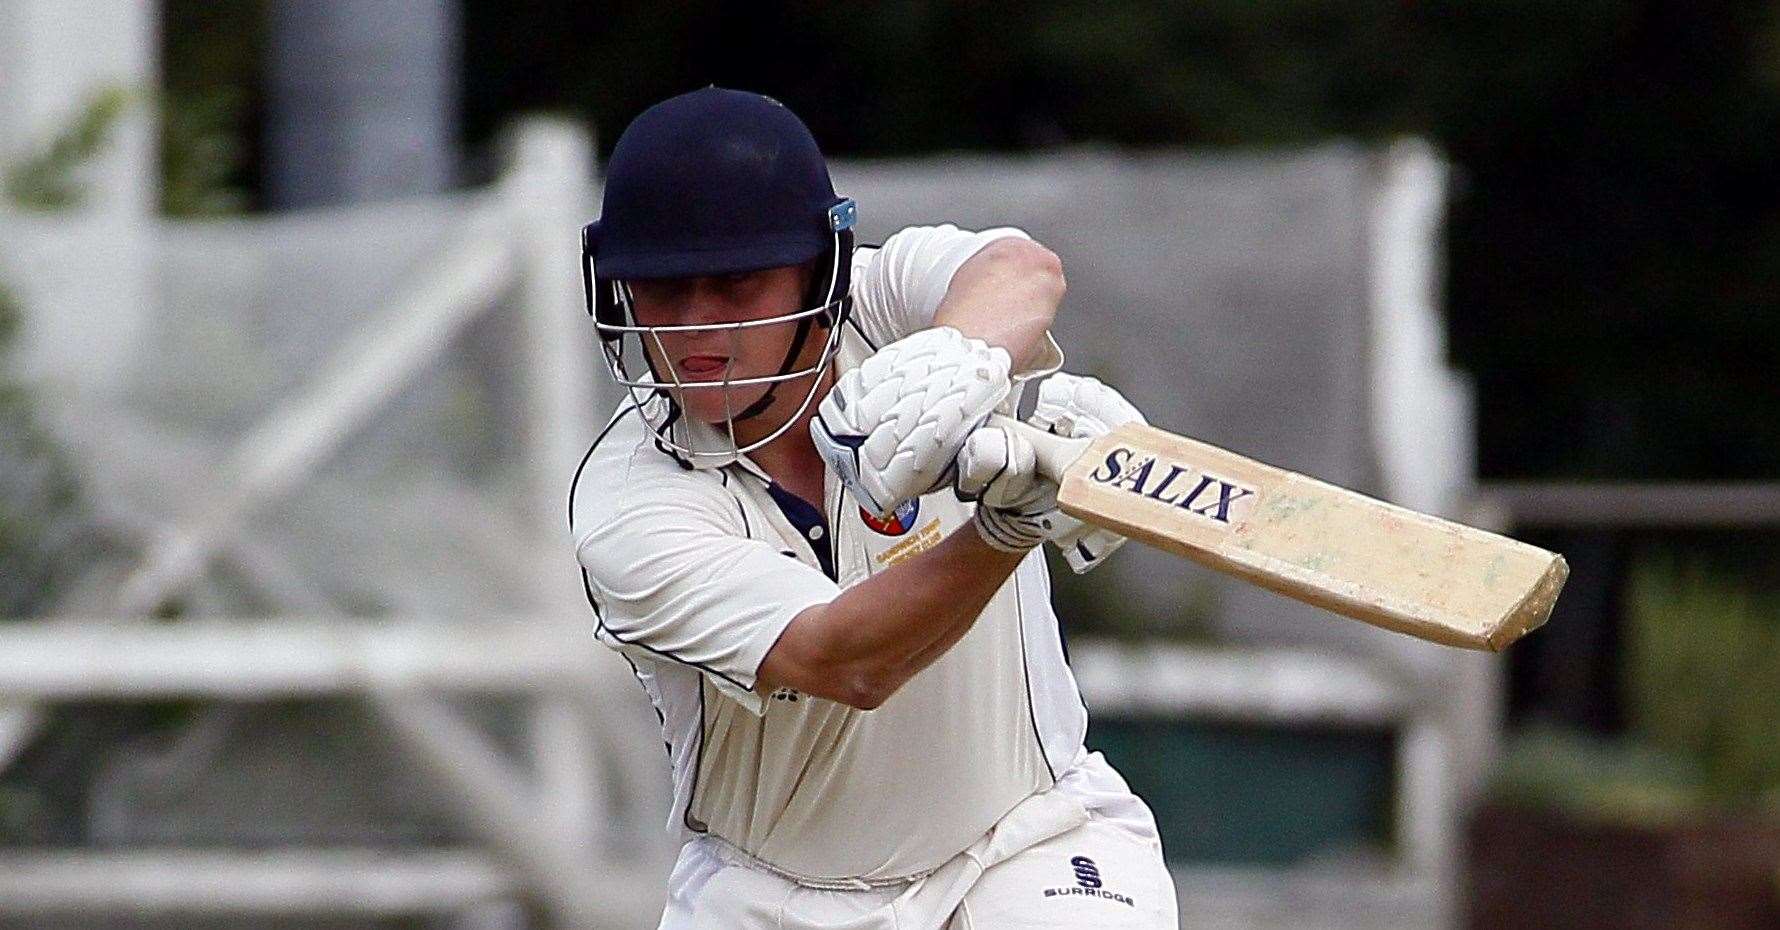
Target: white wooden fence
542, 821
538, 819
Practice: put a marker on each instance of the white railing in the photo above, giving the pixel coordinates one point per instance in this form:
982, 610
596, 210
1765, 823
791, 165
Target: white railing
548, 828
539, 822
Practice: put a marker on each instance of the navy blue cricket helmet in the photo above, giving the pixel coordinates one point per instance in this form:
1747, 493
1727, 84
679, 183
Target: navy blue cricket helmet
716, 182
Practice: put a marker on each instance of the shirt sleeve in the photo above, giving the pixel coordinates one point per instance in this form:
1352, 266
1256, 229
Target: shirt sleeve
898, 286
672, 580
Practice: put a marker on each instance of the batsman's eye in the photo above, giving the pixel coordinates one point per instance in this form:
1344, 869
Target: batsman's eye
659, 295
739, 288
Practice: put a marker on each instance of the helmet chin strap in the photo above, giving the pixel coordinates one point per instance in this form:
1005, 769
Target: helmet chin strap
826, 298
766, 400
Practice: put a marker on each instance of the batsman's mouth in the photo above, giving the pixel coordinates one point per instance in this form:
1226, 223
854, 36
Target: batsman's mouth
701, 366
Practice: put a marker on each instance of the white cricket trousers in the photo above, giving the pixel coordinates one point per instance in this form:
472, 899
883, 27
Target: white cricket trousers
1083, 854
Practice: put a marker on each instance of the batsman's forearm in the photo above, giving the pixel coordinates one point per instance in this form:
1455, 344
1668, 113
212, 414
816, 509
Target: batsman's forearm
961, 579
1006, 295
866, 643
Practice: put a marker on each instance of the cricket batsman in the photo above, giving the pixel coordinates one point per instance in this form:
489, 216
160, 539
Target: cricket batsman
824, 567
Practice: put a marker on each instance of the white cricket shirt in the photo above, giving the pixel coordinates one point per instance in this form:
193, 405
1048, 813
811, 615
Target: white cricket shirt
694, 572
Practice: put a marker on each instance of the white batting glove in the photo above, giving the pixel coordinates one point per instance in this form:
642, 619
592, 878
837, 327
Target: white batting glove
1081, 407
892, 428
1016, 507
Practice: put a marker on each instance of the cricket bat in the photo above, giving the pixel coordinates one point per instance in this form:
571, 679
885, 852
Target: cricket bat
1306, 539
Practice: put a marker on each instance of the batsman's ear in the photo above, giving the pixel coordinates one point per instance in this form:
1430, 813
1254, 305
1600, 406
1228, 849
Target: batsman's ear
590, 237
603, 300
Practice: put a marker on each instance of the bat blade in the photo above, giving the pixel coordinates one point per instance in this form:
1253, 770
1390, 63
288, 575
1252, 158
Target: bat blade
1307, 539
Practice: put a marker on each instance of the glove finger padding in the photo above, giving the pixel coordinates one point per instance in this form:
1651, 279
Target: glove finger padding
1016, 507
892, 427
1078, 407
999, 468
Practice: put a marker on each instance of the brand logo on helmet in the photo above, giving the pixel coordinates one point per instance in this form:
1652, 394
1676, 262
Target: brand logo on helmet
898, 523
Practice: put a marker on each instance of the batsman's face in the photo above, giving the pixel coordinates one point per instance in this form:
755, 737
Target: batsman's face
715, 357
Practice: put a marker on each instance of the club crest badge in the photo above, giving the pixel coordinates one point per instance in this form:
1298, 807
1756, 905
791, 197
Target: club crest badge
899, 522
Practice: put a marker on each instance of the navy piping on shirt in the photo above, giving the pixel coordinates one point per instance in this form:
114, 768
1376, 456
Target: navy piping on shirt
747, 529
1026, 677
589, 456
853, 322
587, 582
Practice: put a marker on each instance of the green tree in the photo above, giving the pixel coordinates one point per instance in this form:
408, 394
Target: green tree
43, 527
49, 180
41, 520
209, 104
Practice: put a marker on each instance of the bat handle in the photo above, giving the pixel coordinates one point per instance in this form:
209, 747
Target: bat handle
1055, 453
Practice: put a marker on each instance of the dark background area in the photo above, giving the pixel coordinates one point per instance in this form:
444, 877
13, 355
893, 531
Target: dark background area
1614, 239
1613, 245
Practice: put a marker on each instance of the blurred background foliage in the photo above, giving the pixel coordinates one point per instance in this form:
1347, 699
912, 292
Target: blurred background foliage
209, 94
1622, 780
44, 528
1704, 676
49, 179
38, 495
1702, 671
